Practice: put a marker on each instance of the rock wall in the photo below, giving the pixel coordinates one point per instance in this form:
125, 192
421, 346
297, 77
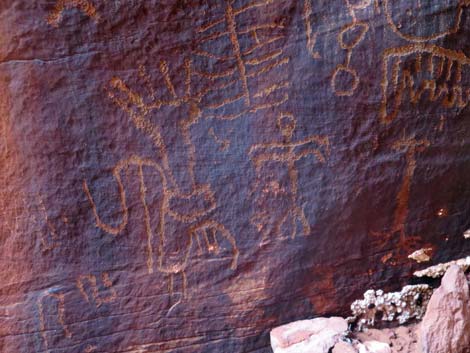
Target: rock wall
184, 175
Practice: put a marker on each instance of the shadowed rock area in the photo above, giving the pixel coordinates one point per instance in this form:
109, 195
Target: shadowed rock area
185, 175
443, 329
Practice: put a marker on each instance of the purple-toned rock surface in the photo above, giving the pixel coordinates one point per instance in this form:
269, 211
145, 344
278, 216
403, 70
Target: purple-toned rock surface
185, 175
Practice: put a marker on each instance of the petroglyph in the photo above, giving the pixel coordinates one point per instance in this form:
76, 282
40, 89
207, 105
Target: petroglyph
287, 153
27, 214
245, 64
410, 146
183, 203
44, 324
419, 24
345, 79
85, 6
87, 284
309, 32
422, 72
224, 144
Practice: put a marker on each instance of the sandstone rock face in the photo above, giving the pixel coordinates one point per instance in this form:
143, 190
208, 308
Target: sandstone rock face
308, 336
446, 325
374, 347
185, 175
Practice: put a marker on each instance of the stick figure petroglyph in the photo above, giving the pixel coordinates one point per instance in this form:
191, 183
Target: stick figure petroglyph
274, 192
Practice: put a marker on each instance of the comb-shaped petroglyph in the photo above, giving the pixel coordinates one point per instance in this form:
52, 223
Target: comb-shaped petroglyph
246, 65
92, 290
410, 146
287, 153
85, 6
422, 72
345, 79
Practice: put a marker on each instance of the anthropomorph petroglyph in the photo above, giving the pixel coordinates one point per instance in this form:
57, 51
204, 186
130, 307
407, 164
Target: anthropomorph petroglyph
85, 6
278, 210
245, 64
184, 208
419, 72
406, 243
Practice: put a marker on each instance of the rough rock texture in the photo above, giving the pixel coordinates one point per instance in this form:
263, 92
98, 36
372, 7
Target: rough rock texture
410, 303
439, 270
308, 336
184, 175
374, 347
446, 325
401, 339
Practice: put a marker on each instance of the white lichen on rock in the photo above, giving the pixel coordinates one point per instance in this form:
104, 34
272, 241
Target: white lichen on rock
440, 269
409, 303
421, 255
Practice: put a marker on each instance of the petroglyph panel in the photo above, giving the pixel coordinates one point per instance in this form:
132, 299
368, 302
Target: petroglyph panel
184, 175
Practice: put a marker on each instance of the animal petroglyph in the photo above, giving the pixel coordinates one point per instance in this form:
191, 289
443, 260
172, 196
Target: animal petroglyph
419, 23
287, 153
175, 192
419, 72
345, 79
46, 298
410, 146
90, 289
86, 6
245, 65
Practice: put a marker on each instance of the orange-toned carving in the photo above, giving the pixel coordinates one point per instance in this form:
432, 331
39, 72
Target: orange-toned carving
414, 23
410, 146
287, 153
436, 75
309, 32
243, 65
88, 283
55, 294
345, 79
86, 6
181, 200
